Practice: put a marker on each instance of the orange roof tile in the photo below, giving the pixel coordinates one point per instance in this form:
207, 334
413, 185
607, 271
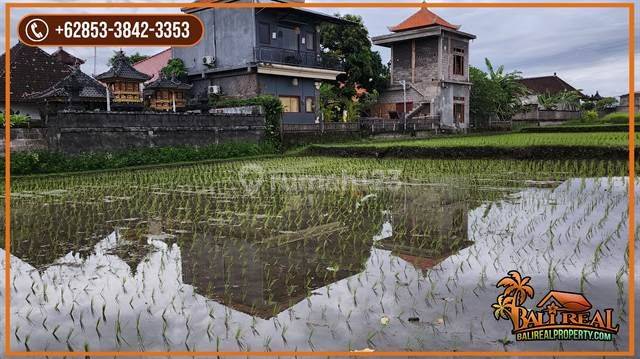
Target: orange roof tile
421, 19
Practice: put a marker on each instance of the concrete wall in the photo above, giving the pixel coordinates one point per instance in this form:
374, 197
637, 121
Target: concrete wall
241, 84
76, 132
27, 139
450, 91
229, 36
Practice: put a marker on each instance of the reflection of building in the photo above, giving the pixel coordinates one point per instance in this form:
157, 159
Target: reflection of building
123, 82
431, 57
267, 277
429, 226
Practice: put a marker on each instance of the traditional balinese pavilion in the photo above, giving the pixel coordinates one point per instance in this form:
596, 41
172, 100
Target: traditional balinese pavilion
166, 94
77, 91
123, 84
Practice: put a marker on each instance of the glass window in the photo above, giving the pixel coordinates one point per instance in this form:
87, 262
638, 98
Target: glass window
309, 41
309, 105
290, 103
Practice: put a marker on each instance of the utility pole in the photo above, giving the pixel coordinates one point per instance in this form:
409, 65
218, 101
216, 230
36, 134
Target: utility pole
404, 102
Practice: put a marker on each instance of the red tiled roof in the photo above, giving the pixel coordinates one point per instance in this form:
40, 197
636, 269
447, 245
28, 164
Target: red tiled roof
153, 64
421, 19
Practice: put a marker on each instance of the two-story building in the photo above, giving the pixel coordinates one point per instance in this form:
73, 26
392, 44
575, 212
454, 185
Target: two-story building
255, 51
429, 72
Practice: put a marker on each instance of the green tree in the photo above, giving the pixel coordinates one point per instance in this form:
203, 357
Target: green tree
548, 101
509, 99
569, 100
494, 94
131, 58
350, 45
606, 103
483, 94
174, 68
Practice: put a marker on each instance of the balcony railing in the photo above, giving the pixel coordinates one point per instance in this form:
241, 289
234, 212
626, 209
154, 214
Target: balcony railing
281, 56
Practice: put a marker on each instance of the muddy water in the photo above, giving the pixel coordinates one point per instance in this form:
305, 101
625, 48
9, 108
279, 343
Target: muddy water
399, 264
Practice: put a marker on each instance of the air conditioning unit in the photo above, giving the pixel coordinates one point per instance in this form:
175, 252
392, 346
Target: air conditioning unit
214, 90
209, 60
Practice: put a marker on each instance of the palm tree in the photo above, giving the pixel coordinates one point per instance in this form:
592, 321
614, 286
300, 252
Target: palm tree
512, 90
516, 286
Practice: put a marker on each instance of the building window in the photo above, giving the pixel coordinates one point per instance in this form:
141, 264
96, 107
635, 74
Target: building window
309, 105
264, 34
308, 41
290, 103
458, 112
458, 61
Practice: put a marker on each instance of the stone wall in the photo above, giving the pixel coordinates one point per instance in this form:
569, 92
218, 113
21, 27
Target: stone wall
77, 132
26, 139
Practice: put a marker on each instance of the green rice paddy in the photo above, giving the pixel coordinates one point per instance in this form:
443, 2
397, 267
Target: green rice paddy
312, 253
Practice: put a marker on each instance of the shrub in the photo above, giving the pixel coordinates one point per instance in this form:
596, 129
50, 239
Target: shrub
17, 119
590, 116
619, 118
272, 109
51, 162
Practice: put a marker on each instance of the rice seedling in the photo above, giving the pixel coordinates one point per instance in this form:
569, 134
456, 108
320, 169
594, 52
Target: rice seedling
326, 253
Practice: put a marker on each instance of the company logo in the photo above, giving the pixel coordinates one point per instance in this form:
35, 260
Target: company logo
559, 315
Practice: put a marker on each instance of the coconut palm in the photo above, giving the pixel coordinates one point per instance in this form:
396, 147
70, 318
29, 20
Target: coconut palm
502, 307
516, 286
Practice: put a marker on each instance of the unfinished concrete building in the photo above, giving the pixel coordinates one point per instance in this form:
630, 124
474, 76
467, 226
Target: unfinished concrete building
430, 66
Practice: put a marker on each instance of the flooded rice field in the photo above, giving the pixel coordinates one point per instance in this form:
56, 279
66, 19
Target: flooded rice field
311, 254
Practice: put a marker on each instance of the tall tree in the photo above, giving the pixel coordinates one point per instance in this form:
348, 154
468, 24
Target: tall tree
495, 94
350, 45
509, 101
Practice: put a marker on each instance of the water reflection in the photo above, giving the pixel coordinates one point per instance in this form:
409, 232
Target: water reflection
320, 272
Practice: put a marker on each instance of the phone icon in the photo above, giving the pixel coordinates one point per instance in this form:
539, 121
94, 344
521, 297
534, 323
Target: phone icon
37, 30
34, 30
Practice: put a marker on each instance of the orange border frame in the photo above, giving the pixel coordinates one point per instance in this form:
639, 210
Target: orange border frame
630, 6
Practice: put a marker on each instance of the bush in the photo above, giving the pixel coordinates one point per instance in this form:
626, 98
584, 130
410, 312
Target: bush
272, 109
53, 162
590, 116
619, 118
17, 119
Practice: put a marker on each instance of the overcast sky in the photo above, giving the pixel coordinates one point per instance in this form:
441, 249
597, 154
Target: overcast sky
586, 47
